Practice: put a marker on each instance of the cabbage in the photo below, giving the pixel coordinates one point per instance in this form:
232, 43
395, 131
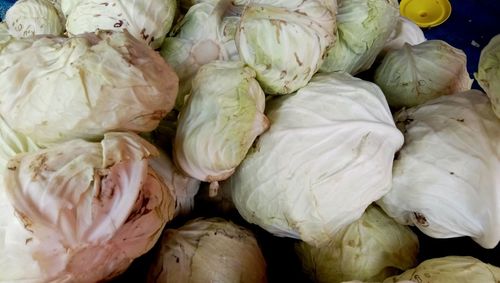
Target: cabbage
363, 27
445, 178
208, 250
149, 20
80, 211
56, 89
406, 32
415, 74
220, 121
205, 34
285, 41
371, 249
450, 269
327, 155
27, 18
488, 75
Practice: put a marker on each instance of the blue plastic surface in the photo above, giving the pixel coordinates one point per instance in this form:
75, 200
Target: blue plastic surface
4, 6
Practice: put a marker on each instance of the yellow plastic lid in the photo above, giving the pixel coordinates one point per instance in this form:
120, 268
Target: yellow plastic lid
426, 13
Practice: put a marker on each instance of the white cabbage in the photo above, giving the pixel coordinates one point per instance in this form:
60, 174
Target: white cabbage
55, 89
370, 249
450, 269
488, 74
208, 250
406, 31
146, 20
327, 155
445, 178
220, 120
80, 211
415, 74
205, 34
27, 18
363, 27
285, 41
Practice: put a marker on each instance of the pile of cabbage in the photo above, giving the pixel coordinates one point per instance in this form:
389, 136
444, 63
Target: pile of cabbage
170, 141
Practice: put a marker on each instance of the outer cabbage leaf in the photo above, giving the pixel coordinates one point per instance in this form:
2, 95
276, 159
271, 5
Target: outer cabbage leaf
415, 74
181, 186
406, 31
55, 89
285, 41
5, 37
327, 155
370, 249
488, 74
208, 250
68, 5
445, 178
205, 34
12, 143
450, 269
27, 18
363, 27
220, 121
145, 20
81, 211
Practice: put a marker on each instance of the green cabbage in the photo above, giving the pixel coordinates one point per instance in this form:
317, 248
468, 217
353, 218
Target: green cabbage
205, 34
208, 250
370, 249
445, 178
415, 74
285, 41
55, 89
327, 155
148, 20
220, 121
363, 27
488, 74
27, 18
80, 211
450, 269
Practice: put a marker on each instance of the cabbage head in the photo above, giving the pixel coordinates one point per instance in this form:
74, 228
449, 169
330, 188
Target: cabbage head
488, 74
206, 33
327, 155
80, 211
221, 119
415, 74
208, 250
55, 89
285, 41
445, 178
370, 249
148, 20
450, 269
27, 18
363, 27
406, 31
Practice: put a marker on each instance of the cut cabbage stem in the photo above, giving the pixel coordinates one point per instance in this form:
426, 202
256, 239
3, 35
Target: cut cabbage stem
213, 189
